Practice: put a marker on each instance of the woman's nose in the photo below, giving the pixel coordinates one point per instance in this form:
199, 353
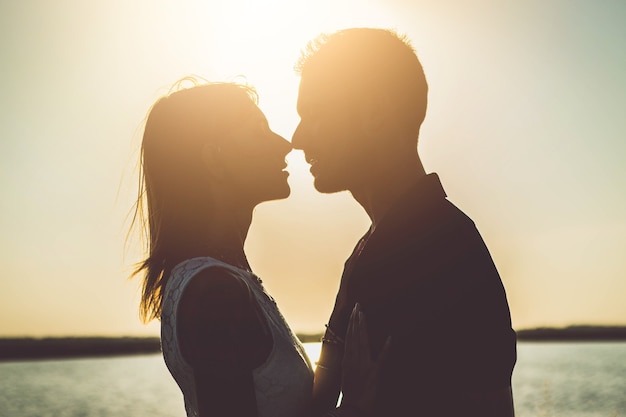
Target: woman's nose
284, 145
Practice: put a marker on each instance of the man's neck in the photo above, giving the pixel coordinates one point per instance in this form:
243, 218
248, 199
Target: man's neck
379, 195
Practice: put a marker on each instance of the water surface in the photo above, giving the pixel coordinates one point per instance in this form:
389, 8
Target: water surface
563, 379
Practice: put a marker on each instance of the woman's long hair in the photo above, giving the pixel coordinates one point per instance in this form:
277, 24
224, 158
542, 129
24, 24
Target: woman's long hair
173, 207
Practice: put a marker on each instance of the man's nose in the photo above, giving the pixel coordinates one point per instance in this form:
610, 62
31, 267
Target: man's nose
298, 139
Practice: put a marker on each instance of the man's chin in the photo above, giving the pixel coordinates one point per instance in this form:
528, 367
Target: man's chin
327, 187
276, 196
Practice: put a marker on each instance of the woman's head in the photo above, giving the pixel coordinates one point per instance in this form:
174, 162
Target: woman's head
204, 145
208, 136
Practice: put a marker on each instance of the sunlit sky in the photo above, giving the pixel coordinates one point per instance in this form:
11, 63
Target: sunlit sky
526, 127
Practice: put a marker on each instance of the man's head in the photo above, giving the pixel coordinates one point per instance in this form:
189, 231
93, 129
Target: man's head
362, 101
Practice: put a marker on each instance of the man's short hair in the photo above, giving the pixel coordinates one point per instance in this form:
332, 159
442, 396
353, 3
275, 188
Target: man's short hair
374, 64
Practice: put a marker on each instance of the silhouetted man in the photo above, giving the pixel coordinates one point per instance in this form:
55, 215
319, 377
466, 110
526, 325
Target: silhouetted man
422, 272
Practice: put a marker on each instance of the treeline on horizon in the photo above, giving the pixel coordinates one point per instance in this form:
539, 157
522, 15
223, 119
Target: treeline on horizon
75, 347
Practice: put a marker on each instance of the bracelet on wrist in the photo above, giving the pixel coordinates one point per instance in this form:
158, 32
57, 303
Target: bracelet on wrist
330, 337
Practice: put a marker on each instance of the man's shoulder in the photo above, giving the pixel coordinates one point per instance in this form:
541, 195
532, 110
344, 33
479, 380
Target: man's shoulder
426, 241
442, 220
426, 206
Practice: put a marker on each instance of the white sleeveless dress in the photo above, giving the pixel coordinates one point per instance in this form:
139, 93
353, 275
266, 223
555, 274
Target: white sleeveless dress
283, 384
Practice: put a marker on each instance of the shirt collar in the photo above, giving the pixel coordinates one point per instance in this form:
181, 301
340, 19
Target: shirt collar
403, 217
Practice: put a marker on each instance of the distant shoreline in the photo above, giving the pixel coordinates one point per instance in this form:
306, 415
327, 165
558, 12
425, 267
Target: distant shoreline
12, 349
574, 334
25, 348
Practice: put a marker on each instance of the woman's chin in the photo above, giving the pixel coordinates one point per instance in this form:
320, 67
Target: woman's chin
286, 192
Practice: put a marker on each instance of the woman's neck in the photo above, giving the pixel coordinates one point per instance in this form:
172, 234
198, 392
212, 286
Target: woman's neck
227, 233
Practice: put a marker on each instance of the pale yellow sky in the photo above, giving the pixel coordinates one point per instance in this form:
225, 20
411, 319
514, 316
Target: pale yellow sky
525, 127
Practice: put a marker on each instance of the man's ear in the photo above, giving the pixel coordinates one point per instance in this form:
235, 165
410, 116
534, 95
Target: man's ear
374, 114
380, 116
212, 161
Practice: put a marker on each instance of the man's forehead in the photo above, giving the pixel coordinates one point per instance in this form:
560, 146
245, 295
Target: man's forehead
323, 91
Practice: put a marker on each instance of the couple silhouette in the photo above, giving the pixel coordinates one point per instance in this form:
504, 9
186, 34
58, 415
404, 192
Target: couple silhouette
421, 323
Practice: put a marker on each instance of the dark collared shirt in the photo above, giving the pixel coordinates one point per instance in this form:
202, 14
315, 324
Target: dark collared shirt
426, 278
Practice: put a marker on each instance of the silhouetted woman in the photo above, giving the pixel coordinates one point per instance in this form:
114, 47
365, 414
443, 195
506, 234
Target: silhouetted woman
208, 157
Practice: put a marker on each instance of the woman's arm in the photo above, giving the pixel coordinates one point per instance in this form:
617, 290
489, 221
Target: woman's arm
358, 375
223, 337
327, 381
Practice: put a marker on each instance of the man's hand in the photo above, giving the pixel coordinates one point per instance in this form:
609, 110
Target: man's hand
360, 374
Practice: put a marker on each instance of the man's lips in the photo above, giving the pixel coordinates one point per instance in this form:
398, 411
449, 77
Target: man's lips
311, 160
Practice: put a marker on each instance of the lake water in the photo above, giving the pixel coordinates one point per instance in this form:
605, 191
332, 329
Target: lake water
550, 379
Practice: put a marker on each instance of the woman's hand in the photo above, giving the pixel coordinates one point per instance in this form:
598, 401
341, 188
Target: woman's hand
360, 374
